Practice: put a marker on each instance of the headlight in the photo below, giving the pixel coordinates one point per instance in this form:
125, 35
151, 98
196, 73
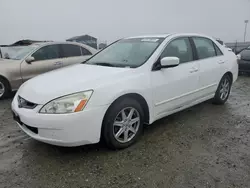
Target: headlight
67, 104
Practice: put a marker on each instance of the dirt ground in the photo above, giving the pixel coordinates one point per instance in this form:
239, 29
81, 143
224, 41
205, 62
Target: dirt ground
204, 146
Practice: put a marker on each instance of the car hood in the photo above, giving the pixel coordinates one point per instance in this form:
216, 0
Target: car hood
64, 81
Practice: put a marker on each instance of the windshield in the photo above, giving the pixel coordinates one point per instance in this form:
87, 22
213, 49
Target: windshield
23, 52
126, 53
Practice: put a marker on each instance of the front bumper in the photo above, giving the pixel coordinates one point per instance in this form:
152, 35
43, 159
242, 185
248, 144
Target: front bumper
73, 129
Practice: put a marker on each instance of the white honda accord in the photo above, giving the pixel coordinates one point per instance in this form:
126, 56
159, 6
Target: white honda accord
132, 82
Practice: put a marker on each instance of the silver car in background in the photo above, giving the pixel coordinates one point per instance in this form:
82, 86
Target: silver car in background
39, 58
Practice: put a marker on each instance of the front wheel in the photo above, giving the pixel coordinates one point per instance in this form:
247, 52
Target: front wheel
123, 123
223, 90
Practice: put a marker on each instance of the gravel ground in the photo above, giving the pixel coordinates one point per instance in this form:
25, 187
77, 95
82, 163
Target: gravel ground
204, 146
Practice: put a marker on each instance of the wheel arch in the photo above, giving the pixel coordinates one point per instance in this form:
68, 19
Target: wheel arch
230, 74
137, 97
7, 81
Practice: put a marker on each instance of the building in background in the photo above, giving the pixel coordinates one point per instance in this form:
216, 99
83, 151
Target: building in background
102, 45
85, 39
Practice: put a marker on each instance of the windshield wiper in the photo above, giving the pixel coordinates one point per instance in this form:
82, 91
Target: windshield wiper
105, 64
109, 64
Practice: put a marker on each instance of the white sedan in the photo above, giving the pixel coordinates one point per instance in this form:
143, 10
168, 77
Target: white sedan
132, 82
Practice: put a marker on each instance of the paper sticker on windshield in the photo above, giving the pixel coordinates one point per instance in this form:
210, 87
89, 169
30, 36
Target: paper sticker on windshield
149, 40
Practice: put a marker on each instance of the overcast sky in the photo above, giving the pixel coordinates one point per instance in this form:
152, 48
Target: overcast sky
113, 19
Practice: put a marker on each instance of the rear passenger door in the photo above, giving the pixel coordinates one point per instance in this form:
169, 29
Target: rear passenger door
73, 54
210, 59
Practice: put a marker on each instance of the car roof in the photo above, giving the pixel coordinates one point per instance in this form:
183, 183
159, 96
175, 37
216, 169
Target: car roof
150, 36
38, 44
63, 42
169, 34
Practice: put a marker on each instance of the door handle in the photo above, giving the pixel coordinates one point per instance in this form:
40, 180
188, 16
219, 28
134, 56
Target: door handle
221, 62
194, 69
58, 63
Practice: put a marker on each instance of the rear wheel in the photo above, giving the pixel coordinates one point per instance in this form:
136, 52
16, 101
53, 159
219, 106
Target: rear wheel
223, 90
4, 88
123, 123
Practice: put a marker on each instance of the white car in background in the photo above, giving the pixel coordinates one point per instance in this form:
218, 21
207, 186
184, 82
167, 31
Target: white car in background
132, 82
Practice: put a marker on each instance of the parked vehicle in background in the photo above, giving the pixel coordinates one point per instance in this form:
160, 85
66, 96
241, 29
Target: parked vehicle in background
244, 61
237, 47
132, 82
9, 52
39, 58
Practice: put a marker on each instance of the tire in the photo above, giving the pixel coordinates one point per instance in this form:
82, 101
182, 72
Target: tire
4, 88
223, 87
124, 125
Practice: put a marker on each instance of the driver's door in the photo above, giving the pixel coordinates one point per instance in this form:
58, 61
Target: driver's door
47, 58
175, 87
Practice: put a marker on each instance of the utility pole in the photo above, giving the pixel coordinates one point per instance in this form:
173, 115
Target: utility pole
245, 33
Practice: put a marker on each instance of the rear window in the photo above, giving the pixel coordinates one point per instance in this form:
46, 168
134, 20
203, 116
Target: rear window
85, 51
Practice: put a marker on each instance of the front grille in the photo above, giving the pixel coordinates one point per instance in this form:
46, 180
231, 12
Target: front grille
23, 103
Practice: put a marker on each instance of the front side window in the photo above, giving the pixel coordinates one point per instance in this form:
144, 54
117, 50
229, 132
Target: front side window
180, 48
127, 52
71, 50
47, 52
205, 48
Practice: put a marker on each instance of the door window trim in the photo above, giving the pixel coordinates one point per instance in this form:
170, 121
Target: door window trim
154, 66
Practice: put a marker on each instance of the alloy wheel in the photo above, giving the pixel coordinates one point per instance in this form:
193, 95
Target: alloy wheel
224, 89
126, 125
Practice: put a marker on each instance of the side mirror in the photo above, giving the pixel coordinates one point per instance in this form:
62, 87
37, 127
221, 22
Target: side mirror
168, 62
30, 59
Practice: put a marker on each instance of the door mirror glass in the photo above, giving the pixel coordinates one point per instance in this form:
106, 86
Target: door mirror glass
167, 62
30, 59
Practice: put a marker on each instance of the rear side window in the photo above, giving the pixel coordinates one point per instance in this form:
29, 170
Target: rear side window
180, 48
205, 47
218, 51
47, 52
85, 51
71, 50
